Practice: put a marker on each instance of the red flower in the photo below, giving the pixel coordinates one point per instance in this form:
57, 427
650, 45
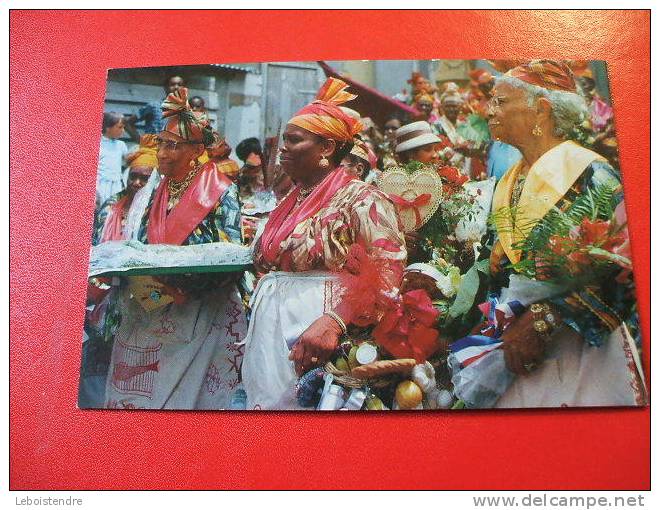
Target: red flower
558, 245
594, 233
364, 285
452, 175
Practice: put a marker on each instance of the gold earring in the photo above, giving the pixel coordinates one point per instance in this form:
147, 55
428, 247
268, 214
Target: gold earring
192, 163
324, 163
537, 131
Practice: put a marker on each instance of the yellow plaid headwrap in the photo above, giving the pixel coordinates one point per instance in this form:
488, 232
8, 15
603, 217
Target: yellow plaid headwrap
145, 155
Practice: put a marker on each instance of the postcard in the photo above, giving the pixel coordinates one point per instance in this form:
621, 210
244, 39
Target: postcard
439, 235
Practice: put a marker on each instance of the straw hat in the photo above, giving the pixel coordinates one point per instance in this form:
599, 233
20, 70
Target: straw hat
413, 135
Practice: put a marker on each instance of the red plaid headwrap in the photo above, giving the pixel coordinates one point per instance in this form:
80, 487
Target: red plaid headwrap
548, 74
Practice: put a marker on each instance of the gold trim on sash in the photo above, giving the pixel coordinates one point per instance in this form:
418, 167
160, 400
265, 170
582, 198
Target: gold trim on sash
548, 180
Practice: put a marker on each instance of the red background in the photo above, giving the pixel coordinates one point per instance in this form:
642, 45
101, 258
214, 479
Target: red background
58, 70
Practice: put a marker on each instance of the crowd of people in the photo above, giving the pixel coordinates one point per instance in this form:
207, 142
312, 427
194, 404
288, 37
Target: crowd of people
331, 252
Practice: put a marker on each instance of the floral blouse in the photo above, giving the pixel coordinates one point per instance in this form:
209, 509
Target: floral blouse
358, 213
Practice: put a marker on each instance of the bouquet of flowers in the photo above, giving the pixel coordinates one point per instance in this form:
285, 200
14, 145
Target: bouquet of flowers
582, 245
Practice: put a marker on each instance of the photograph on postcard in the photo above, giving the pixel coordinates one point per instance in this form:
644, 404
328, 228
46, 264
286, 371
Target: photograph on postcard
360, 235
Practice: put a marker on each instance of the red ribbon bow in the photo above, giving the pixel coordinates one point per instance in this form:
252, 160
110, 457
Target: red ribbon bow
405, 331
415, 204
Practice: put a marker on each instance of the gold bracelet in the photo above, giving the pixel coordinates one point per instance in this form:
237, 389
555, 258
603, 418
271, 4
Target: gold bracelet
339, 321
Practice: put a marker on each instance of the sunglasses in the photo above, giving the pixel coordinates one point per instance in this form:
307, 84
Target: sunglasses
171, 145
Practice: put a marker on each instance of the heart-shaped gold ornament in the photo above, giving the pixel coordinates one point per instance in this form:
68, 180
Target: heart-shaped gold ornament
417, 196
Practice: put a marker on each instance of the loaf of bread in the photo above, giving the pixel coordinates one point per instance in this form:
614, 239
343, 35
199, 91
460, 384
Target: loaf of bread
383, 367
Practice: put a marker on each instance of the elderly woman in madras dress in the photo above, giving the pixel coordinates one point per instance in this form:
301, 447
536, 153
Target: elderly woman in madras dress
297, 310
588, 361
180, 352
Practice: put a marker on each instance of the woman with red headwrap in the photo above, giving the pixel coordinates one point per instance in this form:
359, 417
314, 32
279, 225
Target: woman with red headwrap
587, 359
174, 347
298, 312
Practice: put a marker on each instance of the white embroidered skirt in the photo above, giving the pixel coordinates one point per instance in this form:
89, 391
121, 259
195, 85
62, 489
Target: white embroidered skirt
179, 356
283, 306
576, 374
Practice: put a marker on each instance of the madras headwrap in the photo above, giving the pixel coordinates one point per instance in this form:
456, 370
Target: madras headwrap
548, 74
145, 155
181, 120
325, 118
452, 94
362, 150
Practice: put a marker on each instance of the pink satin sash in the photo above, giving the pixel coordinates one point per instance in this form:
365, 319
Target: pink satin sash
283, 220
112, 229
196, 202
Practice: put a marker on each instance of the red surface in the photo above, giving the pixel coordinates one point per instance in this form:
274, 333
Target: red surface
58, 63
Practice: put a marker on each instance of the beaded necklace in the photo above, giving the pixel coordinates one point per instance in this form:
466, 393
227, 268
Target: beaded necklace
516, 193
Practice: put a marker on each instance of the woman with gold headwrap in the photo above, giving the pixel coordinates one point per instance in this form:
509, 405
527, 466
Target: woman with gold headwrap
298, 313
174, 347
588, 361
111, 217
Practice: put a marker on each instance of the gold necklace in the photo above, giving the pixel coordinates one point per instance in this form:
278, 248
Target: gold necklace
177, 189
515, 196
304, 193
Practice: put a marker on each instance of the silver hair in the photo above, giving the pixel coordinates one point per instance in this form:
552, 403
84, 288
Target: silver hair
569, 109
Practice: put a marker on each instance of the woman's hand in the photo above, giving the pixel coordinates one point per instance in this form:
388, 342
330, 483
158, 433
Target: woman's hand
523, 348
316, 345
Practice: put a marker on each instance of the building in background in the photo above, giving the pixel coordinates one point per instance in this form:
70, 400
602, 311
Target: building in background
252, 100
242, 100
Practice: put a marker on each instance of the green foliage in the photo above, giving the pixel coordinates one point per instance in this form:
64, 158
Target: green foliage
413, 166
468, 289
594, 204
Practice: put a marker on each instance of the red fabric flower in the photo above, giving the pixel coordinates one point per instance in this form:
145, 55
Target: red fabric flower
593, 233
365, 285
406, 331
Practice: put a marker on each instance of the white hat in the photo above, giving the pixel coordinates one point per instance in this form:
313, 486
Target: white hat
426, 269
413, 135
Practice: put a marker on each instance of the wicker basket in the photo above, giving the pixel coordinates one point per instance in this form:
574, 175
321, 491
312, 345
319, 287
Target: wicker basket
345, 378
385, 372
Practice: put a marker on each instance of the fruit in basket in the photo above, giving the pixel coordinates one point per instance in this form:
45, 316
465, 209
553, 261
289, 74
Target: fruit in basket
344, 348
352, 357
373, 403
408, 395
342, 364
